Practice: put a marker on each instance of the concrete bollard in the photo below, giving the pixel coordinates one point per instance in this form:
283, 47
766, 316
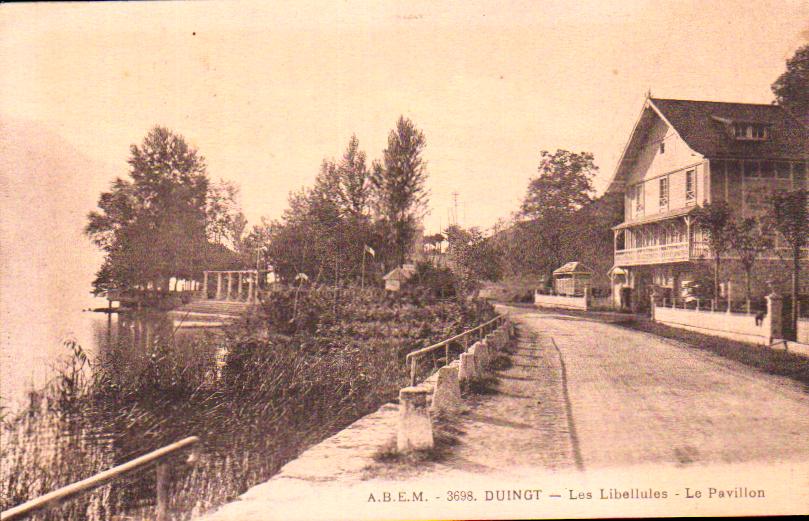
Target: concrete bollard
486, 352
415, 426
447, 394
467, 370
477, 352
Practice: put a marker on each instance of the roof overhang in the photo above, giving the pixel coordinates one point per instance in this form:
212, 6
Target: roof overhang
646, 118
656, 218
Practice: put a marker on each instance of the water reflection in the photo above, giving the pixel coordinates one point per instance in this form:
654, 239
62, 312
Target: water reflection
68, 436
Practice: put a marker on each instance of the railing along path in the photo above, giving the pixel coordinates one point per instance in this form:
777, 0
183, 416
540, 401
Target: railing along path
413, 357
53, 499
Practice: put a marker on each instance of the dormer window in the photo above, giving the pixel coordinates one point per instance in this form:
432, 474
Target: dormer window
750, 131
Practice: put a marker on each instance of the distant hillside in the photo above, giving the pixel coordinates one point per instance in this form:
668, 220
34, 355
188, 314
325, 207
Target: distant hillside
46, 264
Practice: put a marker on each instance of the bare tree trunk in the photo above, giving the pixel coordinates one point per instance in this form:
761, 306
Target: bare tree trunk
796, 272
716, 277
748, 275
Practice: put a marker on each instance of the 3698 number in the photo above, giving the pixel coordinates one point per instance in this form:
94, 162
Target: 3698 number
460, 495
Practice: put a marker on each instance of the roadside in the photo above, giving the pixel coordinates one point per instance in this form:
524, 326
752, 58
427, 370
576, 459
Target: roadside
637, 398
582, 403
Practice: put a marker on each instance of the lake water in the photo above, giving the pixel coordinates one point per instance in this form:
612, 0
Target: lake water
33, 355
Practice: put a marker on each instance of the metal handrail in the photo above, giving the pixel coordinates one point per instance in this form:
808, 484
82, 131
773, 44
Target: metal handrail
52, 499
412, 358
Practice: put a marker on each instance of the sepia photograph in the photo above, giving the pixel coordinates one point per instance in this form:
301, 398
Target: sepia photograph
403, 260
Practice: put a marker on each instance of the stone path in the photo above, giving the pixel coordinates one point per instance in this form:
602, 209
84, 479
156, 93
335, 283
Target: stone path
583, 401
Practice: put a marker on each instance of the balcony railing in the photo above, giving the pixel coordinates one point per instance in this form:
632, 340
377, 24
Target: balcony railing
662, 253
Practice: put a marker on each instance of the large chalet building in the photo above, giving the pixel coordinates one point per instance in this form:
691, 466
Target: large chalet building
682, 154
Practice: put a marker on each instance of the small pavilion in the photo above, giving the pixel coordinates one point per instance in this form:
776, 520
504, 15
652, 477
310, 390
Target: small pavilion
572, 278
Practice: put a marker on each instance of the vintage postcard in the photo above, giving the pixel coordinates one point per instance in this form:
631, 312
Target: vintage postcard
352, 260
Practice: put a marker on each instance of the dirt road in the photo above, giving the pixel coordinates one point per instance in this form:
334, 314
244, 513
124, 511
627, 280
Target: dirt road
633, 398
584, 408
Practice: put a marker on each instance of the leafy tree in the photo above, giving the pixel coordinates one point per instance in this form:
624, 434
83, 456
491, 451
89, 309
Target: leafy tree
398, 182
716, 221
789, 214
325, 228
546, 232
473, 258
153, 225
354, 177
749, 239
226, 221
791, 89
565, 183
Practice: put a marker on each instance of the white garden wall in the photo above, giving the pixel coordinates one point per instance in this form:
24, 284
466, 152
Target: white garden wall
735, 326
560, 301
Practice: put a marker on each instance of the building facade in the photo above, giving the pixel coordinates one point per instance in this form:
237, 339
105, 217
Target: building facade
683, 154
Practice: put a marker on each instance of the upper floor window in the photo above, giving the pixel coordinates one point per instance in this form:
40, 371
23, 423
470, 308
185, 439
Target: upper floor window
782, 170
664, 192
638, 197
662, 147
751, 131
690, 187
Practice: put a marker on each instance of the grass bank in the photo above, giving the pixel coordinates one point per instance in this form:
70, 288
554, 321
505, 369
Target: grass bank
298, 370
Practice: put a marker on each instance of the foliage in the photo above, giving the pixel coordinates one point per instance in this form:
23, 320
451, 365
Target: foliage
226, 221
750, 238
789, 215
318, 237
153, 225
437, 281
472, 257
400, 195
536, 247
791, 89
324, 231
354, 188
564, 184
716, 221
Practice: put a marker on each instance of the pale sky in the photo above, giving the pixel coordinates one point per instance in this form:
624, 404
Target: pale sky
267, 90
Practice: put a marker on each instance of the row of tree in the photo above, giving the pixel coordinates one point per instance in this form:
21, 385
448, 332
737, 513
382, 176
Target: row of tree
749, 238
355, 215
168, 220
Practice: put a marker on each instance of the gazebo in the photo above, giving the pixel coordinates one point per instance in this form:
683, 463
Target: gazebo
572, 279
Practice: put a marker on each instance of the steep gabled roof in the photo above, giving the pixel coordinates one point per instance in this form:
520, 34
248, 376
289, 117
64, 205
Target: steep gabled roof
703, 126
700, 125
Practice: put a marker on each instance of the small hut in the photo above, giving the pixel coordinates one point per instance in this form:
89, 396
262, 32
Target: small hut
572, 279
395, 278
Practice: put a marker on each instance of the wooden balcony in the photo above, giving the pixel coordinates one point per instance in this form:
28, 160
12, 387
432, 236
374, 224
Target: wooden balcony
662, 254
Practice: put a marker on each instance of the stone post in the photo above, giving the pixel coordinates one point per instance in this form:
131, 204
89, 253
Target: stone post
775, 316
415, 427
219, 286
652, 299
586, 298
466, 368
241, 286
251, 289
447, 393
478, 354
230, 286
